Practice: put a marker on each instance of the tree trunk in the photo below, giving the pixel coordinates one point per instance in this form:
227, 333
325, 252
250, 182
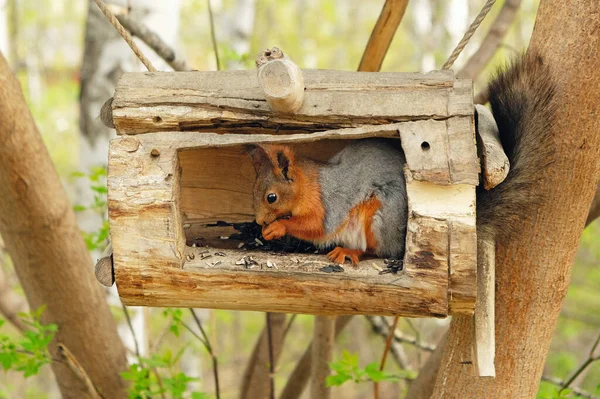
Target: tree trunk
51, 260
533, 270
256, 380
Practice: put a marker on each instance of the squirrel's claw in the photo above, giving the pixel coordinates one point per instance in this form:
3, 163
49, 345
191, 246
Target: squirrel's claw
339, 255
273, 231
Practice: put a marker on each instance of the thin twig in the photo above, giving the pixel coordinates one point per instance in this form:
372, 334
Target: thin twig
271, 357
576, 390
154, 41
388, 344
206, 342
10, 303
591, 359
289, 325
135, 341
71, 361
213, 35
297, 381
125, 35
160, 383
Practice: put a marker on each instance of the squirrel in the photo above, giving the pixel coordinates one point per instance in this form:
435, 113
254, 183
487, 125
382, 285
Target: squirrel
357, 200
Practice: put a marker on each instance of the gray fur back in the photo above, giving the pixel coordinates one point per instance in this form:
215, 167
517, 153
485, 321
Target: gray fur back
364, 168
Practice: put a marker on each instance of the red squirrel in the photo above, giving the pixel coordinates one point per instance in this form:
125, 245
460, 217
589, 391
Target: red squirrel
357, 200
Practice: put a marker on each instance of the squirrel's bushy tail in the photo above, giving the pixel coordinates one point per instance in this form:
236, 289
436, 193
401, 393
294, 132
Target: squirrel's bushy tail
522, 97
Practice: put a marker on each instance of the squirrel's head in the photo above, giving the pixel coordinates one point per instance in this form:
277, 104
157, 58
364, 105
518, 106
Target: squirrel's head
275, 189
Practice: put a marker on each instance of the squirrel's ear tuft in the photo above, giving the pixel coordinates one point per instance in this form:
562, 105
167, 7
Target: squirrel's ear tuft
257, 155
285, 162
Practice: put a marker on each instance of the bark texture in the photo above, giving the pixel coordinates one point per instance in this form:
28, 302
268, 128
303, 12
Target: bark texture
256, 381
533, 269
51, 260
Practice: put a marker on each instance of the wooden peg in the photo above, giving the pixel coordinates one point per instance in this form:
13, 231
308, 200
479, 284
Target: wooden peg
484, 346
494, 162
281, 80
104, 267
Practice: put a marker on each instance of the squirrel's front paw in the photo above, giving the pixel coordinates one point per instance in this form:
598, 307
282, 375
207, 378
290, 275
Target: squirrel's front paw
273, 231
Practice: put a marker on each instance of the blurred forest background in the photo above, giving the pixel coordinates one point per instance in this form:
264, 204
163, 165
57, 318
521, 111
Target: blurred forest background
67, 58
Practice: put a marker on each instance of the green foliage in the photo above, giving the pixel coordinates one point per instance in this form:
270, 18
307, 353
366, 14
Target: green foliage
176, 320
28, 353
97, 176
347, 369
551, 391
228, 56
147, 381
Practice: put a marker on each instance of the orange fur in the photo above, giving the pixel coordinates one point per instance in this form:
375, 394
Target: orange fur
364, 213
308, 213
339, 255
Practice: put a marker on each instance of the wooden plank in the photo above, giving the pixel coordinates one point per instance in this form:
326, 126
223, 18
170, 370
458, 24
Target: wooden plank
484, 345
151, 198
295, 284
494, 161
445, 218
233, 101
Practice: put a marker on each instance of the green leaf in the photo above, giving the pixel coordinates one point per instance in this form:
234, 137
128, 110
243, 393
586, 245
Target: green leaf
336, 380
100, 189
77, 174
79, 208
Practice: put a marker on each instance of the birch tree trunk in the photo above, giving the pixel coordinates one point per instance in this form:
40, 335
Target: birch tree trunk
533, 270
51, 260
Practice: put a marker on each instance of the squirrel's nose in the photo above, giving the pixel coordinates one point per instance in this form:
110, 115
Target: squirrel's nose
260, 219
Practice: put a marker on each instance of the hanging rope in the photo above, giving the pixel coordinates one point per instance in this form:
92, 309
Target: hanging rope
125, 35
463, 42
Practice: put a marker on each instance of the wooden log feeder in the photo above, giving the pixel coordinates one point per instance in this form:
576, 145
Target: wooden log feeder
180, 187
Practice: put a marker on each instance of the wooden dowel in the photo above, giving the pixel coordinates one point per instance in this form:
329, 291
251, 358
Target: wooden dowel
104, 267
281, 80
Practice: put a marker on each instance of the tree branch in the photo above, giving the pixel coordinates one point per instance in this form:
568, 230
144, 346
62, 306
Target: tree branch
299, 378
576, 390
206, 342
386, 350
591, 359
71, 361
152, 40
134, 337
491, 42
256, 381
382, 35
595, 208
10, 303
41, 235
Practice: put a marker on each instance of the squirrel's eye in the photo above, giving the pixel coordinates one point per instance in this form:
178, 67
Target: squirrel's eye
272, 197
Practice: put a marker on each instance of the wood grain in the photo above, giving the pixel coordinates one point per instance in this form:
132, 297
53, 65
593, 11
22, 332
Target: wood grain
234, 101
167, 187
382, 35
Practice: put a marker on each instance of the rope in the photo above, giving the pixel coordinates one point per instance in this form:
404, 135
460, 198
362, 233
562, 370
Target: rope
124, 34
463, 42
